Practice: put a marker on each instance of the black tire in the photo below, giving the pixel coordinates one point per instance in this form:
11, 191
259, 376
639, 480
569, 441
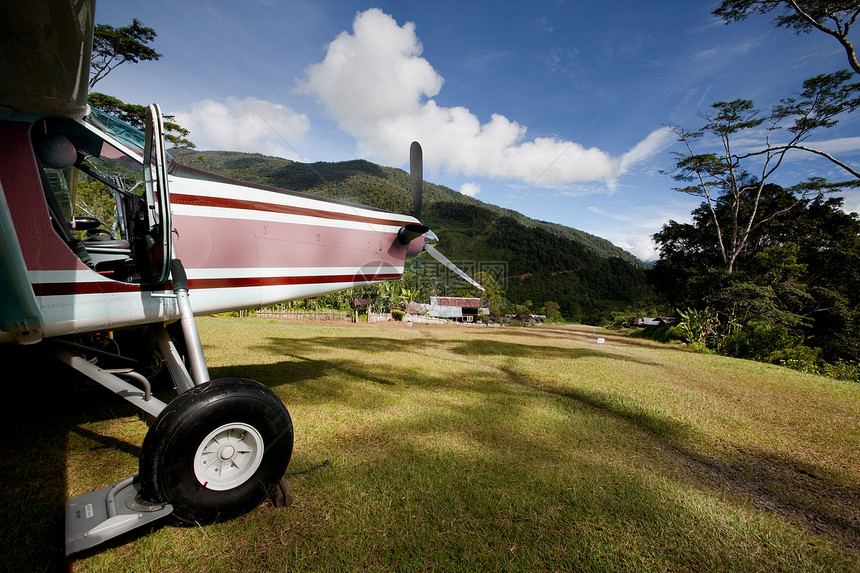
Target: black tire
231, 424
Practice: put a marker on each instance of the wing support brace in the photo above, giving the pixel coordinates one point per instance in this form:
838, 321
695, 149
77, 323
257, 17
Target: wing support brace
140, 398
182, 379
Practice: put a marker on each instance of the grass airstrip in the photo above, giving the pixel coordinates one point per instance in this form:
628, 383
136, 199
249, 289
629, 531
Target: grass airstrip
481, 449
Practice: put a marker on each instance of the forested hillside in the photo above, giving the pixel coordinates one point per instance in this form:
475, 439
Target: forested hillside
587, 276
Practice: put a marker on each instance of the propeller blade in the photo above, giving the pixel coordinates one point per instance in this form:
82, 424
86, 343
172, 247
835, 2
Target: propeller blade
431, 250
416, 171
410, 232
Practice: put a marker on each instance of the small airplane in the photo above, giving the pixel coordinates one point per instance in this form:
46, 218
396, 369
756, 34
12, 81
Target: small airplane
114, 289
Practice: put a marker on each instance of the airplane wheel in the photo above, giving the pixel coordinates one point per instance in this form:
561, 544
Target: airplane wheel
217, 450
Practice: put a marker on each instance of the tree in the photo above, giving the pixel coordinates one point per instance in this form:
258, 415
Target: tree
737, 179
494, 294
113, 47
551, 310
135, 115
799, 270
833, 17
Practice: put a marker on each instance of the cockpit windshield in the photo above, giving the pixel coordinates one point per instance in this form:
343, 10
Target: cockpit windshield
118, 129
131, 136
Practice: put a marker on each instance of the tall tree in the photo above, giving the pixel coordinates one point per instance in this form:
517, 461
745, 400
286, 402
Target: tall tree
799, 269
113, 47
833, 17
737, 178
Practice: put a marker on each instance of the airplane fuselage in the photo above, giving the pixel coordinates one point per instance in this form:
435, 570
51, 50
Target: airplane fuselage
243, 246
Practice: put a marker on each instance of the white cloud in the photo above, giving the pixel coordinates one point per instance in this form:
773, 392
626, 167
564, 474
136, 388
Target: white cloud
378, 88
631, 227
470, 189
843, 145
656, 142
728, 51
641, 246
251, 125
852, 201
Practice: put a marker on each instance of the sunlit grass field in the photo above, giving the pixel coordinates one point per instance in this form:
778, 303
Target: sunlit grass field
484, 449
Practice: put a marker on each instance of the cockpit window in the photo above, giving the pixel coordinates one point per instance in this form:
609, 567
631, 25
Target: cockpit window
102, 184
96, 200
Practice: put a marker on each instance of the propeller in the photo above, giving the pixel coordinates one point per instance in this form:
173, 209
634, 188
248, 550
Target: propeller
416, 172
413, 231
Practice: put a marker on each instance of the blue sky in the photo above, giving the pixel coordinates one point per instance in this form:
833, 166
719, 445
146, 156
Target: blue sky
555, 109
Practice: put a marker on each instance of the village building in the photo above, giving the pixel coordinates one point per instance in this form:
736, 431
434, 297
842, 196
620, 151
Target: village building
455, 308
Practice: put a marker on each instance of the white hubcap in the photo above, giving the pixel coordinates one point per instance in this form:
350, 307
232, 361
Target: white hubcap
228, 456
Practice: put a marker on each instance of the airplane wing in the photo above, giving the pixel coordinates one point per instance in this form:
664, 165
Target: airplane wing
45, 55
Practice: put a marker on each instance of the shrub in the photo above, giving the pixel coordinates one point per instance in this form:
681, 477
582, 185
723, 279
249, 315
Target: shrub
698, 325
662, 333
842, 370
757, 341
398, 314
773, 344
551, 310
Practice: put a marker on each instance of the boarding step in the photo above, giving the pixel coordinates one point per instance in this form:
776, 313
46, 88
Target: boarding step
101, 515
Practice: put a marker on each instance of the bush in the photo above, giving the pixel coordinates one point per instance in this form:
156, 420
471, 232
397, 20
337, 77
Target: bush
842, 370
551, 310
763, 343
698, 325
662, 333
773, 344
398, 314
798, 357
757, 341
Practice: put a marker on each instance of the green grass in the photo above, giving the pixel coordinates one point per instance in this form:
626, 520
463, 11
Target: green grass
457, 448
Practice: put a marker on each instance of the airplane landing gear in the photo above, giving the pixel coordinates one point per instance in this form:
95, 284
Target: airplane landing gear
217, 450
214, 452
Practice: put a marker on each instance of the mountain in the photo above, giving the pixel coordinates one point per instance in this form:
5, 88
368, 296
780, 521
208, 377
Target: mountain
587, 276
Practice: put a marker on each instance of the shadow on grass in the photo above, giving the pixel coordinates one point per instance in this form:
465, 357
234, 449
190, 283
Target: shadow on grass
33, 482
302, 369
504, 493
107, 441
800, 492
48, 403
803, 494
39, 416
470, 347
517, 502
612, 337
